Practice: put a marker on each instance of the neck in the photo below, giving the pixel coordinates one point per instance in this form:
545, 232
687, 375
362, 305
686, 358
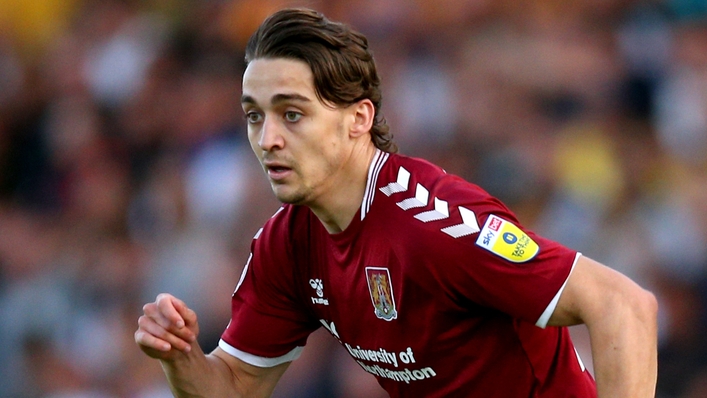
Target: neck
338, 207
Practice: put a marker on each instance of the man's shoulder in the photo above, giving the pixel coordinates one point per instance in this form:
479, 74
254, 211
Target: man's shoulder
283, 223
424, 203
427, 181
275, 245
417, 165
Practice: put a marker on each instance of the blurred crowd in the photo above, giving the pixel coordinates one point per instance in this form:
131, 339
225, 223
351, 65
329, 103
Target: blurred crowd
125, 170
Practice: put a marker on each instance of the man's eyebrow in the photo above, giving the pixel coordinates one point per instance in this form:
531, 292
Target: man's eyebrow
276, 99
279, 98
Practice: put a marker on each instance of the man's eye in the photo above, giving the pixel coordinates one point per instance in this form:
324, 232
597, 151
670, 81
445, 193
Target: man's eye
292, 116
253, 117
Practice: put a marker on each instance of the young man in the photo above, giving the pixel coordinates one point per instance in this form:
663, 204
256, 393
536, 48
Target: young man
430, 284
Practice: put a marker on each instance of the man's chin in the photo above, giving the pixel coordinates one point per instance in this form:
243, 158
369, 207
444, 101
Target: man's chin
292, 198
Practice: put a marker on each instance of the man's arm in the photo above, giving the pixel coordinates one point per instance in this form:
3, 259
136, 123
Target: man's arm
168, 330
622, 322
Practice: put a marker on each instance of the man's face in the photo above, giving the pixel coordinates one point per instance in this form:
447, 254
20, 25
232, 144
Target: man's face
299, 141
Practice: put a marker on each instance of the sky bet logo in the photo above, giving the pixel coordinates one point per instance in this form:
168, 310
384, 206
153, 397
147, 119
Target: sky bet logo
515, 245
487, 237
494, 223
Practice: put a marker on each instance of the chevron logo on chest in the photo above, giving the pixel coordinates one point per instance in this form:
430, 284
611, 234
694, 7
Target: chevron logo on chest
421, 198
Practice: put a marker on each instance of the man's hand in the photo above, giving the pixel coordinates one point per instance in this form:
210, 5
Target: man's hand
167, 329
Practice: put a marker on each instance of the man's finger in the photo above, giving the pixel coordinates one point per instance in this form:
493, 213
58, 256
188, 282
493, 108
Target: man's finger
166, 304
154, 312
187, 314
146, 340
162, 336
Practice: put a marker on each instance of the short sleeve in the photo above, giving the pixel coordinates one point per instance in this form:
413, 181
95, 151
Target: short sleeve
269, 325
503, 265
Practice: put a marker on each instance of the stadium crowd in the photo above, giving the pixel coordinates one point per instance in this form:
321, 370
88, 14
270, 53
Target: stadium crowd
125, 170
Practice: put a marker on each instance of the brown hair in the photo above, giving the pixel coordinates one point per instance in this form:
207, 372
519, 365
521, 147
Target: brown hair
342, 64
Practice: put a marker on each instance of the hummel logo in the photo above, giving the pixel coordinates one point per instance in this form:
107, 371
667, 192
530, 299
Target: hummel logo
318, 285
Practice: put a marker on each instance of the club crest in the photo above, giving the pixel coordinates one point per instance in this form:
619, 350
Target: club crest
381, 290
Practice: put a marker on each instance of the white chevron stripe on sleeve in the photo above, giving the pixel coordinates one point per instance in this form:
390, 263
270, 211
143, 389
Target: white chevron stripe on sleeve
400, 185
422, 195
440, 212
468, 226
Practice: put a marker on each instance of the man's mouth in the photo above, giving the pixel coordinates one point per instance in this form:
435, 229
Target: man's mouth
277, 172
278, 169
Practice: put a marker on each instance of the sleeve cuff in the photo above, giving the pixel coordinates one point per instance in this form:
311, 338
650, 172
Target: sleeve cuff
545, 316
262, 362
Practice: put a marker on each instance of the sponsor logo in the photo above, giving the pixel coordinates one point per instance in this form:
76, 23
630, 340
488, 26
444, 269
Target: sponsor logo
510, 238
318, 286
494, 223
381, 291
487, 238
514, 245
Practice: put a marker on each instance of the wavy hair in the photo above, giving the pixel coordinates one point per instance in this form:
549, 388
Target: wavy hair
342, 64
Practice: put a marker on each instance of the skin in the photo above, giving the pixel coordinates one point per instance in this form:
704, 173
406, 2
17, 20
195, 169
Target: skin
314, 154
317, 155
623, 328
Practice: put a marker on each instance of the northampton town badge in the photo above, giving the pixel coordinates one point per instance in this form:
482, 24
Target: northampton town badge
381, 290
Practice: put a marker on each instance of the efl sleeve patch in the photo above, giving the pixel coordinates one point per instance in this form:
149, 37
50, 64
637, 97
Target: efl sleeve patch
504, 239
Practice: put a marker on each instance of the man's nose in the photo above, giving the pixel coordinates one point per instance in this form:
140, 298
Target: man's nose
271, 135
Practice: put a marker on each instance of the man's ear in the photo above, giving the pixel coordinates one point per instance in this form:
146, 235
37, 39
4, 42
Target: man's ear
363, 114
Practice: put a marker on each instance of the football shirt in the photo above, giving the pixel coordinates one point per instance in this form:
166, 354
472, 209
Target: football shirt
435, 288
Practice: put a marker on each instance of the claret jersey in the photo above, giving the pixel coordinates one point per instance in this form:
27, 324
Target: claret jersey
434, 288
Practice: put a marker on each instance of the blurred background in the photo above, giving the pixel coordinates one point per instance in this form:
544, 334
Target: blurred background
125, 169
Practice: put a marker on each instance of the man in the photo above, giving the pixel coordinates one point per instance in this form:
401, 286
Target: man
430, 284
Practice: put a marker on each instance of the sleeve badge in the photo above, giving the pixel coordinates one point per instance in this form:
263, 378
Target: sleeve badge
506, 240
